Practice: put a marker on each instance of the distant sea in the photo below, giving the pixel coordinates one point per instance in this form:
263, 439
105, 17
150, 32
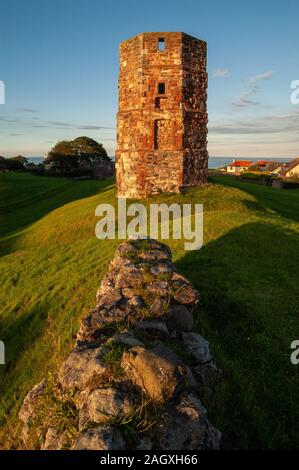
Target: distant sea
214, 162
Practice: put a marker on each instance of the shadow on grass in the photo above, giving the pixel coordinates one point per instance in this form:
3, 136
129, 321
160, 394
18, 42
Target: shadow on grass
248, 280
284, 202
31, 340
17, 217
22, 213
19, 334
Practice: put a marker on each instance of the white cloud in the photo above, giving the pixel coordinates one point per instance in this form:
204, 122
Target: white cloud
221, 73
259, 77
243, 100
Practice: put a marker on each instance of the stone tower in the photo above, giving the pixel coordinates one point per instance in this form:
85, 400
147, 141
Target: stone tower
162, 114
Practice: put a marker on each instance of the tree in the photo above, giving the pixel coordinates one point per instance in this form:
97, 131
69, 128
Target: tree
2, 162
63, 156
13, 165
21, 159
68, 155
89, 149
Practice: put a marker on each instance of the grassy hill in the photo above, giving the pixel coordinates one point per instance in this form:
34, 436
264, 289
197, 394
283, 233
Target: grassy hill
247, 273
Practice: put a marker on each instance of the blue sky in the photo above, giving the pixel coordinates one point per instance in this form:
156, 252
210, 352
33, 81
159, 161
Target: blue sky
59, 62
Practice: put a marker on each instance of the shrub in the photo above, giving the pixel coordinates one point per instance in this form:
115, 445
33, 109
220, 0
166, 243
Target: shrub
251, 175
290, 184
258, 176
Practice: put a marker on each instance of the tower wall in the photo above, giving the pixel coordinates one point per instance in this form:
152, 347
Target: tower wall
161, 120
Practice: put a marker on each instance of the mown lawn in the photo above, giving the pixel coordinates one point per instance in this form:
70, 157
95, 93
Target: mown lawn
247, 273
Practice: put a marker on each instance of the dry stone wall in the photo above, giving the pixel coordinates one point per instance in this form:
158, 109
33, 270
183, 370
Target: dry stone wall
138, 373
162, 114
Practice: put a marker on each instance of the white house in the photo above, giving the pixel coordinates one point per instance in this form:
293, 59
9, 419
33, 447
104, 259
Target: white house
237, 166
290, 169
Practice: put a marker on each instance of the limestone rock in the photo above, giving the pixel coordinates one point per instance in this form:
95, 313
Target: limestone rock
154, 326
156, 255
28, 408
145, 443
55, 440
136, 301
185, 294
180, 318
159, 307
27, 412
179, 277
110, 299
158, 371
81, 367
186, 427
161, 269
159, 288
100, 438
127, 338
126, 249
198, 347
128, 278
103, 404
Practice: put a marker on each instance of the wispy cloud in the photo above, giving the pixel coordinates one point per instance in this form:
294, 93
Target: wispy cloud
27, 110
245, 99
221, 73
67, 125
269, 124
9, 120
260, 77
34, 122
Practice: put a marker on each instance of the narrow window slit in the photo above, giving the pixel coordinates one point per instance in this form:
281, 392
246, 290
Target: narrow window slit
161, 44
161, 88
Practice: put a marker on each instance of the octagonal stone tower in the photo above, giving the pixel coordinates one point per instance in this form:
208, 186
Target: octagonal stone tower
162, 114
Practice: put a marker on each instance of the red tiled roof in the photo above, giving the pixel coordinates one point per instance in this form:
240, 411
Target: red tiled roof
240, 163
262, 162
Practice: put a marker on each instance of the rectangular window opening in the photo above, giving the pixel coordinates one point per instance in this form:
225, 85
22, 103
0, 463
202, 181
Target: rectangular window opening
161, 88
156, 144
161, 44
157, 102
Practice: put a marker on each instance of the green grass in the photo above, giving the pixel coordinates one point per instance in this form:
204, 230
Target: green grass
56, 411
247, 272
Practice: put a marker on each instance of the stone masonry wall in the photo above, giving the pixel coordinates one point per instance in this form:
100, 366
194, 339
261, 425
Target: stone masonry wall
161, 133
138, 374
